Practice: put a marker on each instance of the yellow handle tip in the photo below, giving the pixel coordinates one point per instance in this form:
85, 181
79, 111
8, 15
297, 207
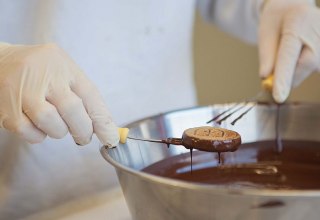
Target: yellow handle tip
267, 83
123, 133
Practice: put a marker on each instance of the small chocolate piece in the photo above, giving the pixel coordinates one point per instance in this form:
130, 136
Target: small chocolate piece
211, 139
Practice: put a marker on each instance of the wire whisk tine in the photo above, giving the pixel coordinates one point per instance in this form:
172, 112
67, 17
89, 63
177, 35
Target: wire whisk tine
243, 114
222, 113
234, 109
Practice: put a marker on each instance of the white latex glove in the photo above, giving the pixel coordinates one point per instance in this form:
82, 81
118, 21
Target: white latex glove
43, 92
289, 43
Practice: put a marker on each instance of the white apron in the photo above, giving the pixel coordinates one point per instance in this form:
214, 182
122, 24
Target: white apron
139, 55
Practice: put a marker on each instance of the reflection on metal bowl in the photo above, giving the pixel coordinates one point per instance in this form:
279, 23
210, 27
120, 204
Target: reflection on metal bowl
154, 197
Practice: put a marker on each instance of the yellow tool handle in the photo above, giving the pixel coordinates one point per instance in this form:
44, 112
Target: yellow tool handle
267, 83
123, 133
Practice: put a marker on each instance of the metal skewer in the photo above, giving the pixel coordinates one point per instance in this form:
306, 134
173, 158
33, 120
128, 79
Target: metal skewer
168, 141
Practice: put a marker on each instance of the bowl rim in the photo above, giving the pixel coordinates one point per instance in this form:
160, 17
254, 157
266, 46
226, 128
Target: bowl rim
216, 189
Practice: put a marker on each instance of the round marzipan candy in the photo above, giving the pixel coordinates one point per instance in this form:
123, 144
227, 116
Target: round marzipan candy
211, 139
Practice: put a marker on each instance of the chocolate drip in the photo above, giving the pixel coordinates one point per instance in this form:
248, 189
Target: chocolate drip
191, 159
279, 146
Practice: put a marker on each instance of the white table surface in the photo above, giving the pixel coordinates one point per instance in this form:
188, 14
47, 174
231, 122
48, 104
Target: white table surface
109, 205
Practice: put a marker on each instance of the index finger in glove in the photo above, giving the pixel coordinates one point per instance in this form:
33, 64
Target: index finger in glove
288, 55
103, 125
73, 112
268, 45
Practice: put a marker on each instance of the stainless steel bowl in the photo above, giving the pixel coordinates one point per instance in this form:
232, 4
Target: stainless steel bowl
152, 197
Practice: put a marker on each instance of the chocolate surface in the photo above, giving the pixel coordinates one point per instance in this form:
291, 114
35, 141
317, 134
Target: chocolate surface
253, 165
211, 139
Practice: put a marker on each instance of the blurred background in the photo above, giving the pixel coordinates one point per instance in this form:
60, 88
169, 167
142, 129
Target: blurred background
226, 69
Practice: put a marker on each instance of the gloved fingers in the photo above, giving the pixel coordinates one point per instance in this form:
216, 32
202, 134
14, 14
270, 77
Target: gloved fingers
288, 54
46, 118
103, 125
24, 128
74, 114
307, 63
269, 33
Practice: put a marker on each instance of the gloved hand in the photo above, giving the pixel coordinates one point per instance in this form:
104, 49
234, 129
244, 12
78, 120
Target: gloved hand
43, 92
289, 43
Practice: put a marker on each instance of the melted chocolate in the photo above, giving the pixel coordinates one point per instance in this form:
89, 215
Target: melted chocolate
253, 165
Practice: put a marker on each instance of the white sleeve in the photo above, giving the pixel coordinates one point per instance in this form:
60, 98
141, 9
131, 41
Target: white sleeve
237, 17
